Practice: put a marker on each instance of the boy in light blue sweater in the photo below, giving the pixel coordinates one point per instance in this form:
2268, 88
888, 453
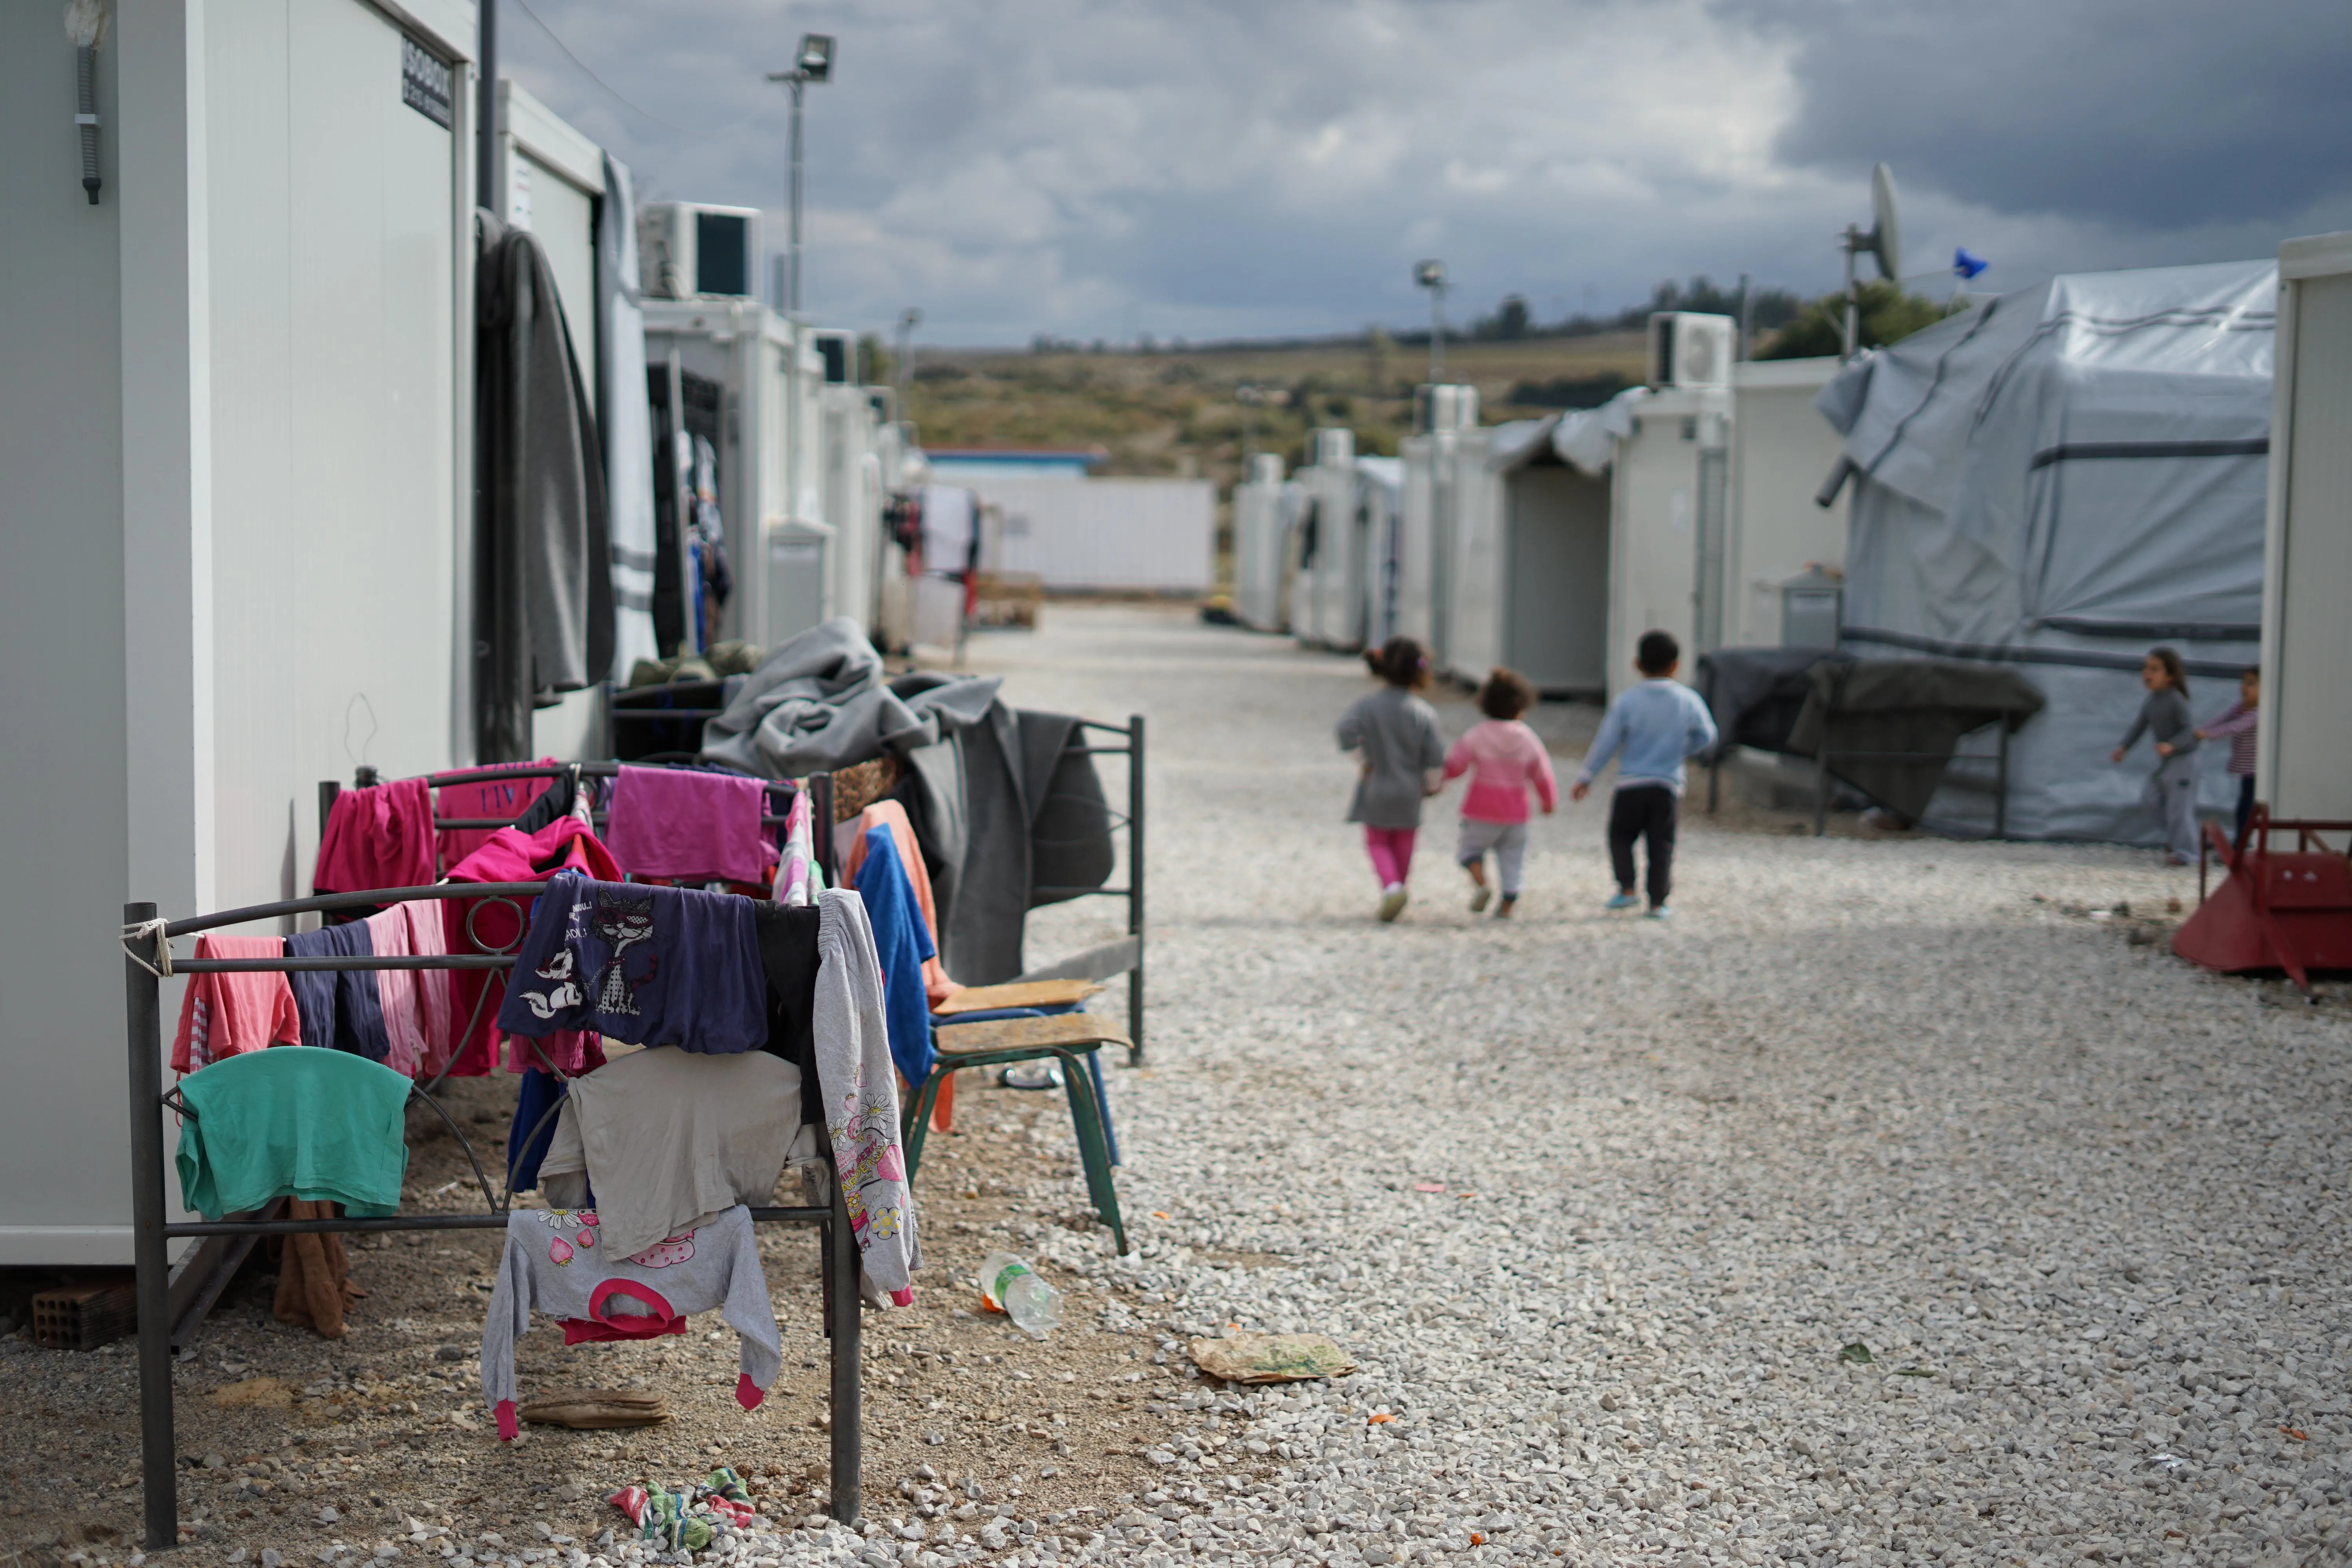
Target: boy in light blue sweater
1654, 725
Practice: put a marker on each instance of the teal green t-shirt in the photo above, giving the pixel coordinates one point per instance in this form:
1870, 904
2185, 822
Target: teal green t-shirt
299, 1122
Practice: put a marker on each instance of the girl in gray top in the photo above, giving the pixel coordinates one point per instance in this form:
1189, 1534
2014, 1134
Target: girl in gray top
1403, 761
2171, 790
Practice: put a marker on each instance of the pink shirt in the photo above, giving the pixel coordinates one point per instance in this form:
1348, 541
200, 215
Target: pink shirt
1504, 759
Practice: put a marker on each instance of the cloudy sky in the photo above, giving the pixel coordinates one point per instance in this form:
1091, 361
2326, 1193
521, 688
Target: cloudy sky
1214, 168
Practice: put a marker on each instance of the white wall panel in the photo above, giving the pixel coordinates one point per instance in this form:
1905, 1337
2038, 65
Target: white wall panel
1781, 450
1120, 534
2307, 744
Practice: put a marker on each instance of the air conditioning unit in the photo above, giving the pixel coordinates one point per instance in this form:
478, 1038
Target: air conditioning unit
685, 249
839, 351
1334, 449
1444, 408
1690, 351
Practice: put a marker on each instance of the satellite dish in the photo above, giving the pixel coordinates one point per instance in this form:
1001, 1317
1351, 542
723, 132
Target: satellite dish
1885, 230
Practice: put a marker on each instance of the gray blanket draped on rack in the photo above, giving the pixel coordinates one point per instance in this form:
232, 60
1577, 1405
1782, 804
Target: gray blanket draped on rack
543, 605
1007, 808
819, 703
1755, 694
1000, 802
1915, 705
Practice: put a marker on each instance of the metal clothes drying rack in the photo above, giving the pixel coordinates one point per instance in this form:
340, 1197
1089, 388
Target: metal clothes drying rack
1107, 961
148, 959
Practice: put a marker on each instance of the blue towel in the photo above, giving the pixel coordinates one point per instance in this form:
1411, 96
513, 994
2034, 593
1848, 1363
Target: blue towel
902, 942
539, 1092
341, 1009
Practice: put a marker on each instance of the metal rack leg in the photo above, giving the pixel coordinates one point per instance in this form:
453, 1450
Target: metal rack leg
1135, 886
1821, 794
847, 1409
158, 1468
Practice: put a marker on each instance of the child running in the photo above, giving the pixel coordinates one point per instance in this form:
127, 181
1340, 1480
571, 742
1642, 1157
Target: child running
1396, 734
1504, 760
1657, 724
2238, 723
2171, 791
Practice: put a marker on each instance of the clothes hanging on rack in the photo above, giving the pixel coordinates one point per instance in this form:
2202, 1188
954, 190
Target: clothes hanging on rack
797, 876
506, 856
414, 1001
557, 1262
649, 966
543, 582
849, 854
314, 1275
855, 1072
228, 1015
537, 1092
461, 797
341, 1009
380, 836
690, 824
297, 1122
667, 1138
788, 961
903, 945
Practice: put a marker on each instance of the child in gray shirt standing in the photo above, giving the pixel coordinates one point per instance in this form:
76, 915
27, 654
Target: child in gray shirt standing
2171, 790
1403, 760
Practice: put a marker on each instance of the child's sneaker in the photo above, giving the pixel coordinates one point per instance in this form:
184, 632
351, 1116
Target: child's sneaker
1621, 901
1393, 903
1478, 900
1660, 913
1503, 910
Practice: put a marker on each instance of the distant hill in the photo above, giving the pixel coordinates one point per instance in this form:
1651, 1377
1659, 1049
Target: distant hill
1181, 411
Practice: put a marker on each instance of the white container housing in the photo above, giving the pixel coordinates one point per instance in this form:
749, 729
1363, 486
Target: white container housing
235, 460
1669, 519
2306, 769
770, 472
1427, 509
1264, 507
1782, 452
1115, 535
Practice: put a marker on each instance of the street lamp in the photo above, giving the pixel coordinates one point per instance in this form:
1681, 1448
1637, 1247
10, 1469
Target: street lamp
904, 368
814, 63
1431, 275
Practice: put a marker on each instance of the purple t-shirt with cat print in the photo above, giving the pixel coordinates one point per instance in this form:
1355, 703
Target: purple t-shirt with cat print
645, 965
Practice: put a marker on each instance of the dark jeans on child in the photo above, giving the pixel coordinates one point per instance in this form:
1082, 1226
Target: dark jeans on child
2246, 805
1645, 812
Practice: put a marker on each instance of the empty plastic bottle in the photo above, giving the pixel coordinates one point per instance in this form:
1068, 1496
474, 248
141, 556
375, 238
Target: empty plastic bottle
1013, 1288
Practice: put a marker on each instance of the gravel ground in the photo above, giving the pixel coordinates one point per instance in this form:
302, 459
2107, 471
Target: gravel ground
1903, 1200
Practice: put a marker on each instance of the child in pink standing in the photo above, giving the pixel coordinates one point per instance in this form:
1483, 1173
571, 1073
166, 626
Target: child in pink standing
1504, 759
1399, 749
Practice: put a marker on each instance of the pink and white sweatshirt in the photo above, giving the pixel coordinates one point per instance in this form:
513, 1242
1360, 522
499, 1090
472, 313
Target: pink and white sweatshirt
1505, 760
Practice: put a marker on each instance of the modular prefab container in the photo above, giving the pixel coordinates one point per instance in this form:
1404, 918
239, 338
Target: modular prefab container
2306, 769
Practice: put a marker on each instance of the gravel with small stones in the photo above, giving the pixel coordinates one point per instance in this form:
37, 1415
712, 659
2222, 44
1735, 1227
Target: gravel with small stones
1903, 1200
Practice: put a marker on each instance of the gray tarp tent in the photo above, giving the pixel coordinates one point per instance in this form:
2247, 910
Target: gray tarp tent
2056, 481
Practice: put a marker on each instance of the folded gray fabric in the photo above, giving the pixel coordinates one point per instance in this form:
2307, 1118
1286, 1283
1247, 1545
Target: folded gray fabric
819, 702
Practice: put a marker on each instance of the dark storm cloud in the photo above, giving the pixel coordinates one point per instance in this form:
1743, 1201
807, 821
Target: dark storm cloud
2159, 114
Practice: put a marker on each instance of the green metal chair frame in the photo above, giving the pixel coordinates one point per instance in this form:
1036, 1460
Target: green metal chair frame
1068, 1037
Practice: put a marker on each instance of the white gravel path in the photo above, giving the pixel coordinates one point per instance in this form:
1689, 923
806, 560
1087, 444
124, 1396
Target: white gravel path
2082, 1204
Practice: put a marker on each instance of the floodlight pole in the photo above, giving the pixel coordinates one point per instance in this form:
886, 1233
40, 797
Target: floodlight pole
1437, 333
903, 371
1852, 339
798, 83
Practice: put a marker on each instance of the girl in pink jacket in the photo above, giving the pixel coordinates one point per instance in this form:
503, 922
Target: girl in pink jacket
1504, 759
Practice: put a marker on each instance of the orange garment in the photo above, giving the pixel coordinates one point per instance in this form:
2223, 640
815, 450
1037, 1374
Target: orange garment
849, 850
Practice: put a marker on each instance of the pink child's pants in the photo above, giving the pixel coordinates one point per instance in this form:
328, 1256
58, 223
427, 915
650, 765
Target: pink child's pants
1392, 852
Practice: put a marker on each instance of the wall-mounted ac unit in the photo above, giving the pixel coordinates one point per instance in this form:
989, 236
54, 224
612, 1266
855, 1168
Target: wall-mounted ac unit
685, 249
839, 351
1334, 449
1444, 408
1690, 351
